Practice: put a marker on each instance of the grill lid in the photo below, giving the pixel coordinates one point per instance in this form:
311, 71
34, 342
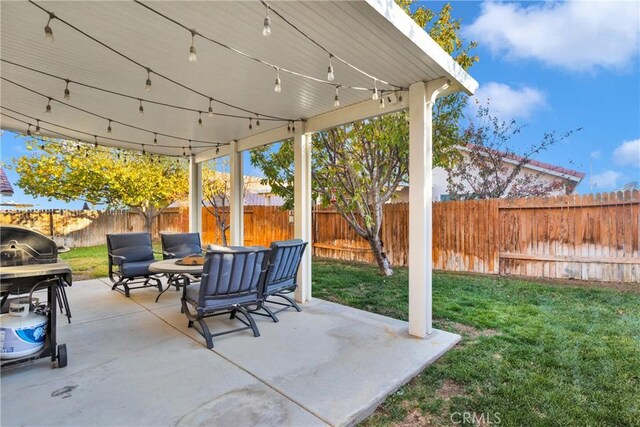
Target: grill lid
24, 246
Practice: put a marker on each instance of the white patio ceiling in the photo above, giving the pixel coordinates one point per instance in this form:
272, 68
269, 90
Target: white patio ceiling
374, 35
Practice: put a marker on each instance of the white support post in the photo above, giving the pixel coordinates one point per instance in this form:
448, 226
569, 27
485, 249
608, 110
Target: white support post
422, 97
303, 206
236, 198
195, 195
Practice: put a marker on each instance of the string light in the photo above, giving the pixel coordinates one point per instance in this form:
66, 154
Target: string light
266, 25
257, 121
139, 64
143, 152
375, 90
289, 127
293, 127
278, 86
109, 127
217, 150
210, 108
95, 141
336, 99
147, 85
192, 50
200, 118
382, 102
68, 137
155, 138
183, 152
250, 124
48, 108
48, 32
37, 127
29, 130
140, 108
330, 75
67, 93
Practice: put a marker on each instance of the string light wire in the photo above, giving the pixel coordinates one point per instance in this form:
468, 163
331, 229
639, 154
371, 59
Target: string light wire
148, 70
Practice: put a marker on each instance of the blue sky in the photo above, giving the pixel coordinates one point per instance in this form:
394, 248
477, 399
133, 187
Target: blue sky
551, 65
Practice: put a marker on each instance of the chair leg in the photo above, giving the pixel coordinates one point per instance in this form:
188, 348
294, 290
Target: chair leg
254, 327
271, 313
233, 314
206, 333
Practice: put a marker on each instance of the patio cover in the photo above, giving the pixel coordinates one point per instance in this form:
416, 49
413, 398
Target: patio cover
375, 36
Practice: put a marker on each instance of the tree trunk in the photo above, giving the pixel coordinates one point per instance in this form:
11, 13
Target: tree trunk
381, 258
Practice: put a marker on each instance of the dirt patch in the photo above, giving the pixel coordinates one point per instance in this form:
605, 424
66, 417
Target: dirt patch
417, 418
468, 331
449, 389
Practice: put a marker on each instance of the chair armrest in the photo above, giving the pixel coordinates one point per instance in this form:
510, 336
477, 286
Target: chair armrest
118, 258
168, 254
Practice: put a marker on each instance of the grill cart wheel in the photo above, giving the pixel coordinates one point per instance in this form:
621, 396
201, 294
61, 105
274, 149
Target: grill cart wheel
62, 355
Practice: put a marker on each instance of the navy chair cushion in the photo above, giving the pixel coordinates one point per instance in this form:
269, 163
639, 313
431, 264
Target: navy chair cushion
284, 264
133, 246
180, 244
138, 268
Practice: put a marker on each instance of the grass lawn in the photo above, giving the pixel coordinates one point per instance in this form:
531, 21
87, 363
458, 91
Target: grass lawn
535, 353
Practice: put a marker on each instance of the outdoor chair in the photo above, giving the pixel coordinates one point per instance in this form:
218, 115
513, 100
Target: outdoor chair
231, 283
130, 255
178, 245
281, 277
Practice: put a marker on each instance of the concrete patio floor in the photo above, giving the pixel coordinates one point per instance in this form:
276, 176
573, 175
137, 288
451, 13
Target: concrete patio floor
134, 362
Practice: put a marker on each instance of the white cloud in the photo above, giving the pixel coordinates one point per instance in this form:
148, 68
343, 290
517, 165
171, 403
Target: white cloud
509, 103
574, 35
606, 180
628, 153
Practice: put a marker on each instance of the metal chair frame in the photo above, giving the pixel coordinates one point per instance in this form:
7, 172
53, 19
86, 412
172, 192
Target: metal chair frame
233, 308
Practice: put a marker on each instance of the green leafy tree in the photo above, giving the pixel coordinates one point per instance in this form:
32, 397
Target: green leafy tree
70, 171
359, 166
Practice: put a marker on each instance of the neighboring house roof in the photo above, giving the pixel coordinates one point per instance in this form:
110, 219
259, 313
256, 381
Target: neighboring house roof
571, 174
5, 186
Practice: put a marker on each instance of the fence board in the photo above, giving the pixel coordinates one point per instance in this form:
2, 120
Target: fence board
590, 237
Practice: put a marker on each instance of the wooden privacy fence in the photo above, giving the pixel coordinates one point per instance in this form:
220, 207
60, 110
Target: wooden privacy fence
589, 237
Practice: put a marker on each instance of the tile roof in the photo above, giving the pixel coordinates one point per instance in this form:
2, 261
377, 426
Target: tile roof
5, 186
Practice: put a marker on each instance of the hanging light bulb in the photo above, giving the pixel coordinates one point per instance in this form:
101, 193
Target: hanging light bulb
266, 27
189, 146
289, 127
250, 124
200, 118
330, 75
278, 86
257, 120
210, 107
48, 32
293, 127
155, 138
336, 99
140, 108
218, 150
147, 85
400, 98
29, 130
192, 50
37, 127
109, 127
382, 102
183, 152
375, 90
143, 152
95, 141
67, 94
48, 108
